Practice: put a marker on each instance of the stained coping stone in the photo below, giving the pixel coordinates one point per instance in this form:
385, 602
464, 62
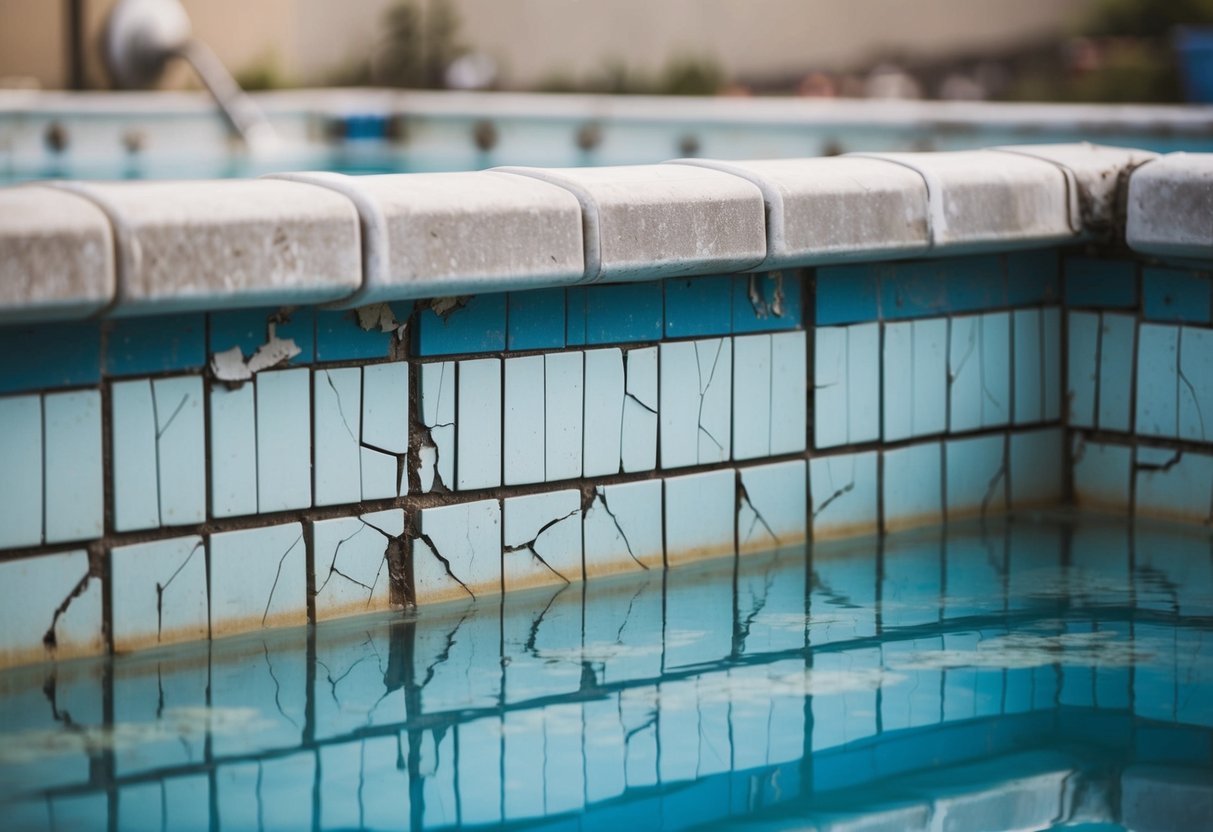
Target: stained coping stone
1171, 206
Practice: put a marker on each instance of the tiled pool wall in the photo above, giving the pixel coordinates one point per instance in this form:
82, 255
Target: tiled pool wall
181, 459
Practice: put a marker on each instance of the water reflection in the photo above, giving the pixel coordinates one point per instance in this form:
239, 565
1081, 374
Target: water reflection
1027, 675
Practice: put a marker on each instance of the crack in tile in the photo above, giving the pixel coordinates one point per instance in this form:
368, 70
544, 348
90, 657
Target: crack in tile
277, 686
49, 639
1200, 417
840, 492
600, 496
1159, 466
277, 575
446, 564
703, 390
530, 545
160, 588
744, 497
992, 487
533, 634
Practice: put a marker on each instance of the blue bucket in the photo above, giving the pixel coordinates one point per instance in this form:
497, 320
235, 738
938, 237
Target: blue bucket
1194, 47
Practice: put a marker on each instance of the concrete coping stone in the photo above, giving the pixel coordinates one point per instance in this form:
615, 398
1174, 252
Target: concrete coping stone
1170, 209
653, 221
982, 198
194, 246
443, 234
56, 256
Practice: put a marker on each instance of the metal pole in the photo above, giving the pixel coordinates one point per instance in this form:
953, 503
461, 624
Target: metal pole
75, 44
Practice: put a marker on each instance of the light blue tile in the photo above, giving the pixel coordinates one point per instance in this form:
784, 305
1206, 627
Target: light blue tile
349, 565
604, 385
258, 577
766, 302
478, 438
381, 475
1158, 380
437, 401
752, 396
976, 476
50, 355
233, 426
843, 490
699, 515
479, 325
542, 540
863, 383
964, 373
848, 294
929, 406
536, 320
624, 312
679, 406
995, 369
31, 589
180, 449
697, 306
135, 470
1101, 474
912, 486
385, 429
467, 562
1082, 344
20, 471
638, 436
622, 528
341, 337
1029, 367
830, 378
1100, 283
156, 344
284, 440
524, 420
1050, 322
71, 431
714, 359
1195, 391
1175, 295
564, 379
337, 409
789, 391
1174, 485
159, 593
1036, 465
898, 385
772, 510
1116, 348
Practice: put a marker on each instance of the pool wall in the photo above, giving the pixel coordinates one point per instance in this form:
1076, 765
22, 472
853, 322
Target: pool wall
246, 404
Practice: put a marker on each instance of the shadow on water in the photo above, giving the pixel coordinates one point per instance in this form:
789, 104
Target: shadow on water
1026, 675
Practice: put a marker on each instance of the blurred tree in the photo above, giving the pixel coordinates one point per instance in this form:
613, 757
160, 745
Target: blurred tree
1146, 18
420, 43
691, 75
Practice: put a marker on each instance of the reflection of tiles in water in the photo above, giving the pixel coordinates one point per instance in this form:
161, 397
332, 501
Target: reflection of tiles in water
636, 695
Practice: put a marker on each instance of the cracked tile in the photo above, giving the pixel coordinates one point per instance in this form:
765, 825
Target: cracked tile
830, 378
622, 528
604, 404
771, 506
350, 569
1036, 463
1117, 334
767, 301
964, 373
358, 334
478, 440
385, 430
995, 369
1158, 380
696, 402
1174, 485
563, 379
72, 477
20, 471
258, 579
542, 540
48, 601
843, 490
524, 420
180, 449
438, 416
337, 409
541, 643
1101, 474
159, 593
284, 433
638, 442
448, 656
912, 486
976, 476
1082, 355
1195, 398
251, 330
770, 607
458, 552
699, 514
233, 432
352, 688
624, 613
135, 468
752, 396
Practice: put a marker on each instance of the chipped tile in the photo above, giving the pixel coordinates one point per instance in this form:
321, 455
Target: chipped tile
71, 431
542, 540
622, 528
475, 324
385, 429
752, 396
698, 306
1175, 485
345, 335
976, 476
536, 320
843, 490
233, 472
284, 433
830, 380
964, 373
437, 403
1101, 474
1157, 392
1082, 345
458, 553
638, 434
258, 579
350, 569
563, 379
250, 329
604, 398
478, 439
337, 409
524, 420
180, 449
20, 471
699, 514
1035, 464
1116, 348
159, 593
771, 506
912, 486
1195, 392
766, 302
995, 369
31, 593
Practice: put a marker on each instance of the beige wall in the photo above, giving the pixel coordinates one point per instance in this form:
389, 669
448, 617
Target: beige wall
310, 39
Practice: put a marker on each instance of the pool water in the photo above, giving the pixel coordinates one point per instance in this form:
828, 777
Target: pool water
1048, 672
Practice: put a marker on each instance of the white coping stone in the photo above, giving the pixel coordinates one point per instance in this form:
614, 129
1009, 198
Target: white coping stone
1171, 206
980, 198
442, 234
827, 210
56, 256
649, 221
1096, 173
189, 246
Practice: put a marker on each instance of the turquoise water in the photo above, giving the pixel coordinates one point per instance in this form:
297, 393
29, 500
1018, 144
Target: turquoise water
1047, 673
